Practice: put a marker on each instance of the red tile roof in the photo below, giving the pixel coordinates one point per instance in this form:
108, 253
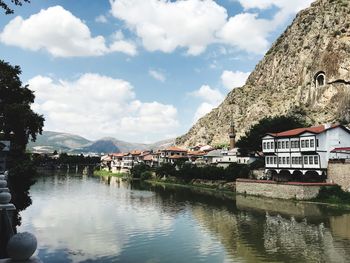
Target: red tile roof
117, 154
148, 157
341, 149
174, 149
196, 153
298, 131
135, 152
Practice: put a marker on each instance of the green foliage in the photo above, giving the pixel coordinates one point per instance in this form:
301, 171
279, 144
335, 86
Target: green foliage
221, 146
333, 194
17, 116
7, 8
108, 173
138, 169
146, 175
251, 142
64, 158
188, 172
165, 169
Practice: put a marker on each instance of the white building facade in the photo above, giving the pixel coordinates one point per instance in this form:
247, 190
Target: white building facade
303, 151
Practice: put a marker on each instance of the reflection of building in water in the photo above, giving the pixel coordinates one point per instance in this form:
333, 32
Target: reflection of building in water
277, 206
306, 242
257, 236
340, 226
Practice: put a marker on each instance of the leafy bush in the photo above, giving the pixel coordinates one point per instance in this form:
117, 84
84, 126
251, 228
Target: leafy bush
146, 175
188, 172
333, 194
165, 169
138, 169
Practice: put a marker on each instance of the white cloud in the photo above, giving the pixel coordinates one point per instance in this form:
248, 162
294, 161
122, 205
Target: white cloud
124, 46
157, 75
234, 79
211, 98
208, 94
194, 24
101, 19
106, 104
203, 109
60, 33
246, 32
166, 25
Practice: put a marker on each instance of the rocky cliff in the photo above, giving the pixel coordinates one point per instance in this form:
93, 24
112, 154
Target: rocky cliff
307, 67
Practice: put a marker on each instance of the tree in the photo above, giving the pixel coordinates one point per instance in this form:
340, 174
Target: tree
7, 8
139, 169
17, 120
251, 142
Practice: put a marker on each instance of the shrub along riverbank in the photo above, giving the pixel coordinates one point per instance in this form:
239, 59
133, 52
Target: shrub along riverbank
333, 195
107, 173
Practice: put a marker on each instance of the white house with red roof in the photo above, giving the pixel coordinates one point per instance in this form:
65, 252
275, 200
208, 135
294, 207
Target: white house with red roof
305, 151
172, 154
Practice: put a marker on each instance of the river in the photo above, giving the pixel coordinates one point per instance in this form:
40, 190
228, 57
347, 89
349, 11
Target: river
79, 218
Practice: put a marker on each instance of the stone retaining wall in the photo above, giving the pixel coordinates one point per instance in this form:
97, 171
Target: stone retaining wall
272, 189
339, 173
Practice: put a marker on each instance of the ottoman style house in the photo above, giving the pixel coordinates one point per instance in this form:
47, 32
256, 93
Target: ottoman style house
304, 152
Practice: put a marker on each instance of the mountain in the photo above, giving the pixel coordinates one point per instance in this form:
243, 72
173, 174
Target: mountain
306, 70
50, 141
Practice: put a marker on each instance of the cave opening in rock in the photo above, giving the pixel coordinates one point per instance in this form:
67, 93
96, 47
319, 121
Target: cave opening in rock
320, 79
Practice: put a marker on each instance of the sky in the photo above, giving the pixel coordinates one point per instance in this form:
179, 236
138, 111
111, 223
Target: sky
138, 70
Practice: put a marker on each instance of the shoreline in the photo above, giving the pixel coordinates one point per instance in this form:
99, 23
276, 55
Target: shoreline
234, 194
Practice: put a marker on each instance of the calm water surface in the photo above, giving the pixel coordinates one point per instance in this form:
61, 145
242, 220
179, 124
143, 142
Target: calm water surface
87, 219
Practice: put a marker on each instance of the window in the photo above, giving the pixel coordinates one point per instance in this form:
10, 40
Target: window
283, 145
268, 145
279, 160
302, 143
306, 143
316, 160
275, 160
312, 143
279, 145
284, 160
287, 160
306, 160
297, 144
287, 145
311, 160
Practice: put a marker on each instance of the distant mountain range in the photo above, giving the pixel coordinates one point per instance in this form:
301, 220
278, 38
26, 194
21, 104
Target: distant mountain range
50, 141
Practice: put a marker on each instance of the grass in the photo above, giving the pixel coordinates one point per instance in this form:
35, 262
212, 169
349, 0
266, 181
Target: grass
107, 173
333, 195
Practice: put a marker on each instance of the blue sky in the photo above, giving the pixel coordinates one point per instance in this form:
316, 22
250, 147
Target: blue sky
138, 70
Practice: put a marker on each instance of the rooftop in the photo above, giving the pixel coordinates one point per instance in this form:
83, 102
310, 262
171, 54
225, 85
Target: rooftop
298, 131
174, 149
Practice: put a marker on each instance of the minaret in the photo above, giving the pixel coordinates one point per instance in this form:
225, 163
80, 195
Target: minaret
232, 136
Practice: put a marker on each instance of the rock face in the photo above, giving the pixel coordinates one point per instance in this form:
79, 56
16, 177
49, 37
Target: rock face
308, 68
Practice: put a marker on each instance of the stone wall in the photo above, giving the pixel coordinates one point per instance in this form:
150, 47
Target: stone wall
272, 189
339, 173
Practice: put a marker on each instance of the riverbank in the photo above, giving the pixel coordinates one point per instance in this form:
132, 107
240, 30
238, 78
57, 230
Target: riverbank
107, 173
195, 184
329, 195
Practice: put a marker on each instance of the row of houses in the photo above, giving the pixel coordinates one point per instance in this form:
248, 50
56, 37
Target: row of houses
200, 155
